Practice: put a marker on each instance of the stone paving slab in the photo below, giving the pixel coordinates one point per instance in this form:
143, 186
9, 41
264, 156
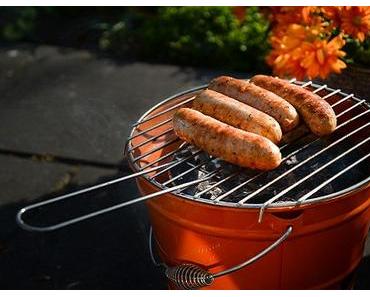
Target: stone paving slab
74, 104
28, 179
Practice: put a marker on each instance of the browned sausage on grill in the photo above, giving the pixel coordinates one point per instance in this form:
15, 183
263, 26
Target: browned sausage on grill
237, 114
316, 112
226, 142
259, 98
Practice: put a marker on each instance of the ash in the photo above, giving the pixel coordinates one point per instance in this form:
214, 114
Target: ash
292, 160
211, 165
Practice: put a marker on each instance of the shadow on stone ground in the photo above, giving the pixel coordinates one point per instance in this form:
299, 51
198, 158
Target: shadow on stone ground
109, 252
363, 273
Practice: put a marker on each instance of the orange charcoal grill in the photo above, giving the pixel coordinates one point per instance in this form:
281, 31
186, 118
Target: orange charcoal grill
218, 226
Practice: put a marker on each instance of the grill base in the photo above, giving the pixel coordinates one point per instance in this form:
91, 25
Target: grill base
325, 247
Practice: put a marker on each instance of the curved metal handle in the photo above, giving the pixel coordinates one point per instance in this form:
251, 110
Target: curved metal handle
190, 276
30, 227
258, 256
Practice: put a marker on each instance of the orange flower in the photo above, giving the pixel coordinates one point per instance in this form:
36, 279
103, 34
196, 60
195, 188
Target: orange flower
286, 64
309, 59
295, 14
288, 15
284, 58
293, 37
302, 43
356, 21
308, 13
322, 57
333, 13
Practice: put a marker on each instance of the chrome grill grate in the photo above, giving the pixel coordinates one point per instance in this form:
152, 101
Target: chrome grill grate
312, 169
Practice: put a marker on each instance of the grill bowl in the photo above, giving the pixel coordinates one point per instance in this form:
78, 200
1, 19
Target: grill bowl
326, 245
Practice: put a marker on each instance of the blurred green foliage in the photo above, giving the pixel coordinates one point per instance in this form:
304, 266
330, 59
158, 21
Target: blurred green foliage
207, 36
203, 36
15, 24
68, 26
357, 52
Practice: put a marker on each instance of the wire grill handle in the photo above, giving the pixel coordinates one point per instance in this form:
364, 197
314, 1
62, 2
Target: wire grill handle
190, 276
29, 227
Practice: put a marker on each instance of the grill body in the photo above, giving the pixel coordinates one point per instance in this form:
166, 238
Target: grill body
326, 244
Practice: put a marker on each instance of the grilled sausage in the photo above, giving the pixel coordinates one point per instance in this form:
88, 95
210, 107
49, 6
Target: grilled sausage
259, 98
316, 112
226, 142
237, 114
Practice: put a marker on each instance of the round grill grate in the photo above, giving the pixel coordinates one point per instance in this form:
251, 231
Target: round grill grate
312, 169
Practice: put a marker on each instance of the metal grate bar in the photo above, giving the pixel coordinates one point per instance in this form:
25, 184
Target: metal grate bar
164, 156
317, 139
306, 84
219, 198
229, 177
276, 197
194, 168
342, 100
156, 149
352, 107
320, 89
187, 171
331, 94
352, 119
150, 140
309, 194
217, 184
209, 174
150, 129
302, 163
164, 111
317, 90
178, 163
